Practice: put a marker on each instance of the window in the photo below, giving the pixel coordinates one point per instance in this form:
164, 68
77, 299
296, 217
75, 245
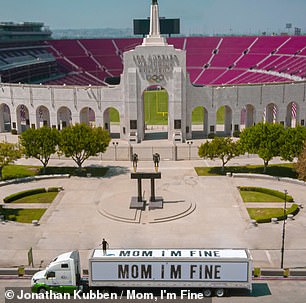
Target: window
177, 124
50, 274
133, 124
65, 265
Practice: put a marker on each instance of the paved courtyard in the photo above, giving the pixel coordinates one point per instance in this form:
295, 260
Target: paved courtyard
199, 212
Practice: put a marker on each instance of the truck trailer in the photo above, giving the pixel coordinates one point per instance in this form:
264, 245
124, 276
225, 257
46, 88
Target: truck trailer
214, 271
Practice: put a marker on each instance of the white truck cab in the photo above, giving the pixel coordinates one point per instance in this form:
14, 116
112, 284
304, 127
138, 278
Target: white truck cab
62, 275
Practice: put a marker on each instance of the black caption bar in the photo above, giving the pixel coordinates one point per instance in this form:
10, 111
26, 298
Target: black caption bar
18, 295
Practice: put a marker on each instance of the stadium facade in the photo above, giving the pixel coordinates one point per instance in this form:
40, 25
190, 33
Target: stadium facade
154, 63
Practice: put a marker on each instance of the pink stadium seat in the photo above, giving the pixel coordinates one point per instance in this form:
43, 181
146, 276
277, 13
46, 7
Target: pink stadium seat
210, 60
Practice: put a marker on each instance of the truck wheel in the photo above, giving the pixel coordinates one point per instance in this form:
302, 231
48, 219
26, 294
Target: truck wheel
207, 292
41, 290
220, 292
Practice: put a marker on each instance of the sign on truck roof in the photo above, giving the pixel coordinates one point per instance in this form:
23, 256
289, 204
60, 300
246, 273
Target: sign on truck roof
213, 254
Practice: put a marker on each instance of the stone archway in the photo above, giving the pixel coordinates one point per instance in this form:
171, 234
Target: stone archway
247, 116
199, 122
111, 122
42, 116
5, 118
155, 113
23, 118
224, 120
270, 113
292, 115
88, 116
64, 117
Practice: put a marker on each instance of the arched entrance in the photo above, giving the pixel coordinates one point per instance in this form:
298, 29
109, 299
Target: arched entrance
111, 120
247, 116
270, 113
155, 113
199, 122
23, 118
64, 117
224, 118
292, 115
42, 117
5, 118
88, 116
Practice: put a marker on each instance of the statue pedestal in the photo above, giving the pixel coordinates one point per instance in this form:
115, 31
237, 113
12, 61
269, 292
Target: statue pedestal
136, 204
158, 203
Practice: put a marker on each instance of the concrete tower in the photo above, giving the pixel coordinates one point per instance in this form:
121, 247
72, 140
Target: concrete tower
154, 38
154, 63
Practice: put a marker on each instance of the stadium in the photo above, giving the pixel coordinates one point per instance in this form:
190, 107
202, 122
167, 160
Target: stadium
208, 85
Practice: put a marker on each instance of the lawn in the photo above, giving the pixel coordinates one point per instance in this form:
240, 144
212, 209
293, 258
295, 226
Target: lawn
19, 171
23, 215
38, 198
264, 215
254, 196
278, 170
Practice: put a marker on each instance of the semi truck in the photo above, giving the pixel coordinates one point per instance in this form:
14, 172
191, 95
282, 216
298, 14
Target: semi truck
213, 271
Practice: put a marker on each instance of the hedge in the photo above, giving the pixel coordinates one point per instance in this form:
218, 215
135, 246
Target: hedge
271, 192
54, 189
293, 210
23, 194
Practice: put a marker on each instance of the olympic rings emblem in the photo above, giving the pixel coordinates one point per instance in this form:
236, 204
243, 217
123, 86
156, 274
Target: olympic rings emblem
155, 78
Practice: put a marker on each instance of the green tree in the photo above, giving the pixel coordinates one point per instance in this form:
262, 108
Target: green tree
8, 153
80, 142
300, 166
293, 142
263, 139
223, 148
40, 143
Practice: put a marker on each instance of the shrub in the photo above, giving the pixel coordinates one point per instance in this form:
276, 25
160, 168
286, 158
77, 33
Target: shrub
236, 133
23, 194
54, 189
211, 136
268, 191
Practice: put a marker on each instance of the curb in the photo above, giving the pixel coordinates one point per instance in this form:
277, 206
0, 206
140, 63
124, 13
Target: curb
267, 177
264, 272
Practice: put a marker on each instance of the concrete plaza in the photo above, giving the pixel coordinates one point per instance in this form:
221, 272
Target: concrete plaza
199, 212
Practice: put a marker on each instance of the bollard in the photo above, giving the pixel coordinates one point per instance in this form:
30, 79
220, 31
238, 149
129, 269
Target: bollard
257, 272
254, 222
286, 272
290, 217
21, 271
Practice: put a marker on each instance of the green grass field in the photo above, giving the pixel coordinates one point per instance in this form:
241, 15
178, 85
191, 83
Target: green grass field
156, 110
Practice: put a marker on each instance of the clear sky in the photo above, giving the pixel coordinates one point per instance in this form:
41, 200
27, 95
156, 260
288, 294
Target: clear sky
197, 16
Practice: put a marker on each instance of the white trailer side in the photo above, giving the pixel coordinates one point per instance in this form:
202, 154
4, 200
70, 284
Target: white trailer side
192, 268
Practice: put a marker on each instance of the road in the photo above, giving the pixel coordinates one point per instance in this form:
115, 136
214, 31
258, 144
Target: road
271, 291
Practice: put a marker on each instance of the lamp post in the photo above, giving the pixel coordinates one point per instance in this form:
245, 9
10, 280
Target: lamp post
189, 149
284, 231
115, 144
